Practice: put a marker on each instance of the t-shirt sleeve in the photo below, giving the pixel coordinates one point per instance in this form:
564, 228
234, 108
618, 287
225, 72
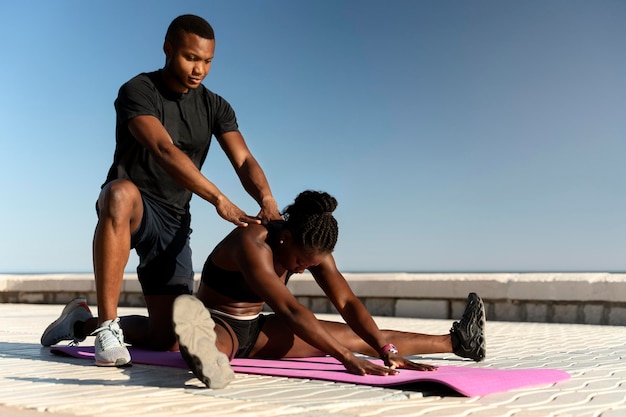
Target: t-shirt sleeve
225, 119
135, 98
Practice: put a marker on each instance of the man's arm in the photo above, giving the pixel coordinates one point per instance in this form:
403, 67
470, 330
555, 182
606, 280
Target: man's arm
149, 131
250, 173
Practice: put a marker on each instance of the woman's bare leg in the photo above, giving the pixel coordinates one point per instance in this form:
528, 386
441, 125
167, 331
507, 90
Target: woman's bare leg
276, 341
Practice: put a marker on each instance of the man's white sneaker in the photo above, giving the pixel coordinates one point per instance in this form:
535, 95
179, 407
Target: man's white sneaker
109, 346
63, 327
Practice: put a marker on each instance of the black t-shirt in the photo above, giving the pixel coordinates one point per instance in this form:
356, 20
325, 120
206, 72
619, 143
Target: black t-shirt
190, 119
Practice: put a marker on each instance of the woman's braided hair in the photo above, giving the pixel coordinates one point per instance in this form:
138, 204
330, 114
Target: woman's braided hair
310, 220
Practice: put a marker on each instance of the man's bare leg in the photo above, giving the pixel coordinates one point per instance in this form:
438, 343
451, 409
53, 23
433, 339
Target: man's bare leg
120, 212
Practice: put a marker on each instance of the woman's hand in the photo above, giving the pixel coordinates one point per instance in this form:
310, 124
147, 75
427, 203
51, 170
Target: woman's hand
360, 366
394, 361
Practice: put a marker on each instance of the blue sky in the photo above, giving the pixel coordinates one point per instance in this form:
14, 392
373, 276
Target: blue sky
457, 136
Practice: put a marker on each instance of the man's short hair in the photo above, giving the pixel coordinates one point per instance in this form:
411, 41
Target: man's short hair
188, 23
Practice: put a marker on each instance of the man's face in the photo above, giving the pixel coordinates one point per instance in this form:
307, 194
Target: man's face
188, 61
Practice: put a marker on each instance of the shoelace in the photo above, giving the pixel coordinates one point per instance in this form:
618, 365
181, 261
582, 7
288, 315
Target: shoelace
112, 338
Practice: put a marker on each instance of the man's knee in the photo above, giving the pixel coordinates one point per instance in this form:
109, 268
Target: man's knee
119, 199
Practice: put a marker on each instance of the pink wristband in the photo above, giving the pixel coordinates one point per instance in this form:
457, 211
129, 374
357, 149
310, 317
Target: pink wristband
389, 348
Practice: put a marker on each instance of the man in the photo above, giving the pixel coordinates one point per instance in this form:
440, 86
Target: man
165, 120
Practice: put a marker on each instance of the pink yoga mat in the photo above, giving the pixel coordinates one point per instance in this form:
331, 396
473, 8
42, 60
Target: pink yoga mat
466, 380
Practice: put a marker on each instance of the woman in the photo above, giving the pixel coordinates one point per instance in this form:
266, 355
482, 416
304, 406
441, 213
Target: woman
251, 267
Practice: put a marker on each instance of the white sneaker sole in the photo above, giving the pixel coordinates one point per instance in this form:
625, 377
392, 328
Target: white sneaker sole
119, 363
195, 331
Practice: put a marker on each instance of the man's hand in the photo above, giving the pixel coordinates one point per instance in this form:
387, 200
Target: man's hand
230, 212
269, 211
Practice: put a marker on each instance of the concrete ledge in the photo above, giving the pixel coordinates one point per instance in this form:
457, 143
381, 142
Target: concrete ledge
590, 298
61, 288
521, 286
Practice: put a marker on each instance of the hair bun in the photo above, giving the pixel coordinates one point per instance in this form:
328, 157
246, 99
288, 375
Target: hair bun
310, 220
314, 202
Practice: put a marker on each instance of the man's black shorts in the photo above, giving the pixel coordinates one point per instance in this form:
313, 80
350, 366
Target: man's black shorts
162, 243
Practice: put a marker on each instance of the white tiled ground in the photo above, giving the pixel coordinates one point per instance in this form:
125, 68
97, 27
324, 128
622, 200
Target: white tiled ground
595, 356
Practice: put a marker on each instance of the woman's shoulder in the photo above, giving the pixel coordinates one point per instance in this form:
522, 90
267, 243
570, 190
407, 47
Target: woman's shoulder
250, 233
262, 236
241, 241
258, 234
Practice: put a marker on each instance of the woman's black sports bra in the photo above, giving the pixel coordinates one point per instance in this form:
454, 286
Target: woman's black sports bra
232, 284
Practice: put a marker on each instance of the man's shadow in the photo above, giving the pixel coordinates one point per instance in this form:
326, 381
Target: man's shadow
136, 375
